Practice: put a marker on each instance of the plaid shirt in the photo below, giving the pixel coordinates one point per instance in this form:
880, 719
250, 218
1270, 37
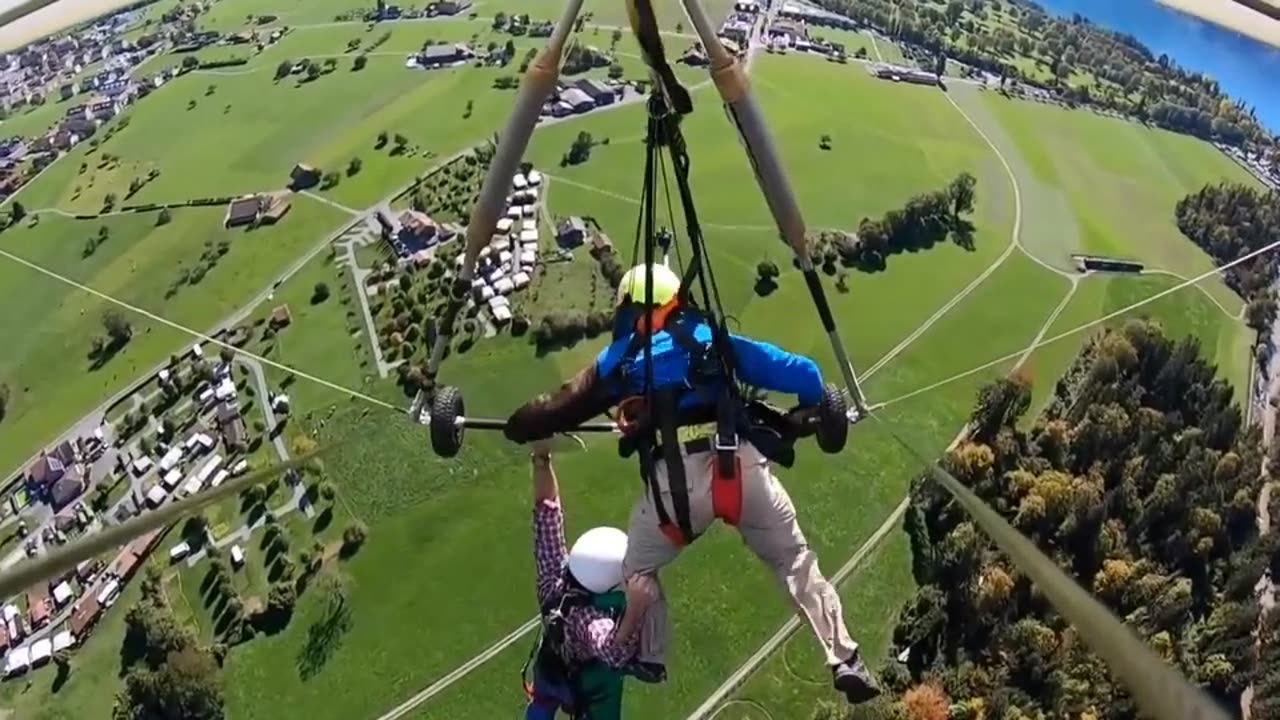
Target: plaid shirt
589, 633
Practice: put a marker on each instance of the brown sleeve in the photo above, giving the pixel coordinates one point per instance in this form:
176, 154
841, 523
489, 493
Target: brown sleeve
578, 400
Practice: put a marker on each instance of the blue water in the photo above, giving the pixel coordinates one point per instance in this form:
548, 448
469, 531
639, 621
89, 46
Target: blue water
1246, 69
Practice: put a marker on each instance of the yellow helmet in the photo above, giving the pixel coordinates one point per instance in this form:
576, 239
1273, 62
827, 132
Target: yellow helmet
665, 285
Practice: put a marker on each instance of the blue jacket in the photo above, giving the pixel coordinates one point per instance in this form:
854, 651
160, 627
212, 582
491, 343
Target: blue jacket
592, 391
759, 364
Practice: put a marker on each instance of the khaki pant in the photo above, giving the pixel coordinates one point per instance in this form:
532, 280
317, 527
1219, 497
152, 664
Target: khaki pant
768, 527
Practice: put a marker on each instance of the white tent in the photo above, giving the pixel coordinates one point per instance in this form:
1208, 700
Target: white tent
521, 280
205, 441
155, 496
164, 375
459, 261
498, 302
527, 236
205, 396
62, 593
197, 350
171, 478
534, 177
485, 252
18, 660
530, 210
519, 182
237, 555
11, 611
513, 211
529, 225
504, 286
504, 257
502, 313
220, 478
240, 467
504, 224
486, 292
192, 486
63, 640
41, 651
528, 257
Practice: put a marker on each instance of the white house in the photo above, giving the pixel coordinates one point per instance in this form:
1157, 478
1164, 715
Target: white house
156, 496
171, 459
502, 313
534, 178
17, 662
63, 640
529, 210
519, 182
240, 467
220, 478
179, 551
141, 466
237, 555
529, 225
520, 280
529, 236
504, 224
62, 593
503, 286
225, 390
41, 651
514, 212
171, 479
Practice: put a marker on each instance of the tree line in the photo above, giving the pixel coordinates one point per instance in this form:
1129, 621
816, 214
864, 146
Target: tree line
1136, 81
1140, 480
924, 221
1229, 221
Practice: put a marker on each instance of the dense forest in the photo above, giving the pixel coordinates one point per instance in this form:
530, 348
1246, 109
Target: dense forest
1229, 221
1127, 76
1141, 480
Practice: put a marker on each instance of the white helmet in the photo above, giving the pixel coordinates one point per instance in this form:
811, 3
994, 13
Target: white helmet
596, 559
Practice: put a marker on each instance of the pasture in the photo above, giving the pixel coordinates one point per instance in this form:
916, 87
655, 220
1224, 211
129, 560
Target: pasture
446, 569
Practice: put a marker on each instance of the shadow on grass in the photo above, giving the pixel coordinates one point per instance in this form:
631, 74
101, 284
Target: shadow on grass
59, 680
324, 637
323, 520
100, 356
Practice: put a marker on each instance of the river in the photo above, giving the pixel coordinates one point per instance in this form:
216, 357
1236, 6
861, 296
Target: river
1246, 69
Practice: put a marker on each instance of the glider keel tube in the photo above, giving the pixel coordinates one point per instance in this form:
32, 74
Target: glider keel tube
730, 80
539, 80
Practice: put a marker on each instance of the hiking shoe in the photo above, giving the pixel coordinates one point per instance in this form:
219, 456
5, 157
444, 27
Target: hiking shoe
852, 678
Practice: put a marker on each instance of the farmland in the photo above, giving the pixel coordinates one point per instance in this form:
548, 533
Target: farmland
445, 570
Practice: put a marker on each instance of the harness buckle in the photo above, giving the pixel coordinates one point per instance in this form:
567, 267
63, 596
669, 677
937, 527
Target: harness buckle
730, 445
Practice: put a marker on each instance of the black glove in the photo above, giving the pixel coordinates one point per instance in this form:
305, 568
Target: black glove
804, 420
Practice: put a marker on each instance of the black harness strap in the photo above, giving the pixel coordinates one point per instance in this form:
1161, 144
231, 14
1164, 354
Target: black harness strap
676, 480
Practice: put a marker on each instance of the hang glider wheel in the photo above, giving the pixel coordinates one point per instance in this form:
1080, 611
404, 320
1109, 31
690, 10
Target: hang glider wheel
833, 420
446, 432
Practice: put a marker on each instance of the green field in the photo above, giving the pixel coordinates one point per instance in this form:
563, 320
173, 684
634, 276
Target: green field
446, 570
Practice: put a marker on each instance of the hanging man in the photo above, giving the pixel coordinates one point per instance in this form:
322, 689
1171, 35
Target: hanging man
595, 624
723, 474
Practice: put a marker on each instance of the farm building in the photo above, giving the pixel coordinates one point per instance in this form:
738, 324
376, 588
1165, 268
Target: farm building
903, 74
264, 208
571, 232
577, 100
436, 56
599, 92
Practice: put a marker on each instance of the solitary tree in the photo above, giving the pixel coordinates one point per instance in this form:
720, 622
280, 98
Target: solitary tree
354, 536
354, 166
320, 292
358, 64
164, 218
118, 329
382, 140
16, 212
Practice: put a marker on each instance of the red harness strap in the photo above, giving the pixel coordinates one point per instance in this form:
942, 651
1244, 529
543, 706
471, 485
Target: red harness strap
726, 492
726, 499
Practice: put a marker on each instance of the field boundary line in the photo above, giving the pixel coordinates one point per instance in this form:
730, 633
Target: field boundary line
1234, 316
459, 672
1270, 247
